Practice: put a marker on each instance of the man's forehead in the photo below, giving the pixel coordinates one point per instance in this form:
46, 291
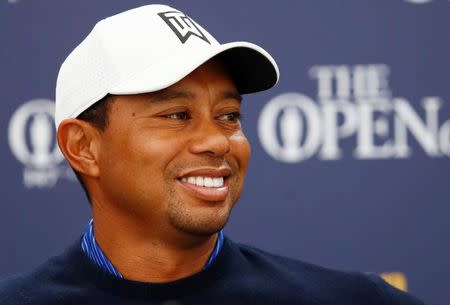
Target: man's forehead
211, 71
172, 93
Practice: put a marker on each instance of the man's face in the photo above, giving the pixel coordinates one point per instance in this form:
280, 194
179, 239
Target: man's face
176, 158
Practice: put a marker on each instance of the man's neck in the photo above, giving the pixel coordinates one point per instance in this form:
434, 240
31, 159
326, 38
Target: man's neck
142, 255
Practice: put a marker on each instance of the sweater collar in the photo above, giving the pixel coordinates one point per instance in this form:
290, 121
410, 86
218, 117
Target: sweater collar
75, 264
95, 254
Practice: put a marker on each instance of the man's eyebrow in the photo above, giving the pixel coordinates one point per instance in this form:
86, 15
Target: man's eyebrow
231, 95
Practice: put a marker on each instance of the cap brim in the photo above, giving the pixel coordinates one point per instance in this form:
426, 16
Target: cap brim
250, 66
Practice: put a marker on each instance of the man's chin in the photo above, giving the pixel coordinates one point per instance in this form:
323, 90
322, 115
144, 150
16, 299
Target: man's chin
200, 231
201, 224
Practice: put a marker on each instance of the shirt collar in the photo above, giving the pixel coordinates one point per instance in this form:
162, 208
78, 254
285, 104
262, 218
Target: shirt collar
92, 250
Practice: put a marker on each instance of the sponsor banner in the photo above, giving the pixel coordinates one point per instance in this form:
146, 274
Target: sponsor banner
352, 102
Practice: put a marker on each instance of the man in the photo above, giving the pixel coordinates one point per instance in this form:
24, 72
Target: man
147, 112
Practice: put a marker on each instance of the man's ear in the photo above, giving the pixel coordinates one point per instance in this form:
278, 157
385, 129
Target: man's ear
79, 141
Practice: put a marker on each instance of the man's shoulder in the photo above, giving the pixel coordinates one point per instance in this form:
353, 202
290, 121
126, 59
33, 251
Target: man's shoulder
263, 259
25, 288
325, 283
297, 269
39, 286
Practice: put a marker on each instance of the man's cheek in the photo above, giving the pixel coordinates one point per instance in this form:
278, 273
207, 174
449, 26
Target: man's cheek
240, 148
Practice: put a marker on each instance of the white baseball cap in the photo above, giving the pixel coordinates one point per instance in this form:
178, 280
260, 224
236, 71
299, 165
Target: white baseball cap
148, 49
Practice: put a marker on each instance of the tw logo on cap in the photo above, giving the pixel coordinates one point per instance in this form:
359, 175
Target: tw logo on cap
183, 26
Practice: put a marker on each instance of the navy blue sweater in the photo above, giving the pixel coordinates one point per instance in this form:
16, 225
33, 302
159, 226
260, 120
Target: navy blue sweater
240, 275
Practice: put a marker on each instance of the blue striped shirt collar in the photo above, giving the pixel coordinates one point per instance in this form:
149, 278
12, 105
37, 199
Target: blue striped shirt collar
96, 255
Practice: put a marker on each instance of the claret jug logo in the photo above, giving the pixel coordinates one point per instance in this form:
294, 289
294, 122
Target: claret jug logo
352, 102
183, 26
32, 139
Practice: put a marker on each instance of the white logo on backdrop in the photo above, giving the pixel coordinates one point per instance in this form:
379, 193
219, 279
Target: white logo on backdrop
351, 102
32, 139
418, 1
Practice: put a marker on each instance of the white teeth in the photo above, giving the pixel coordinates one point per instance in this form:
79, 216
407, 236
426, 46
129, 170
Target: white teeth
217, 182
204, 181
208, 182
199, 181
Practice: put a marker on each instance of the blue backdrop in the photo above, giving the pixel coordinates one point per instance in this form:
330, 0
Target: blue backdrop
350, 151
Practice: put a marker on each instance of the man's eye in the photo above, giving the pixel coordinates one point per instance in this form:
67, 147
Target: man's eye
178, 116
232, 116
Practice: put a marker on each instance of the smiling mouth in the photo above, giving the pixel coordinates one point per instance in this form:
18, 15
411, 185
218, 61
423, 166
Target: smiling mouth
212, 182
211, 186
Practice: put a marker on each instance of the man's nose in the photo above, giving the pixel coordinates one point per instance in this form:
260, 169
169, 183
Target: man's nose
209, 138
